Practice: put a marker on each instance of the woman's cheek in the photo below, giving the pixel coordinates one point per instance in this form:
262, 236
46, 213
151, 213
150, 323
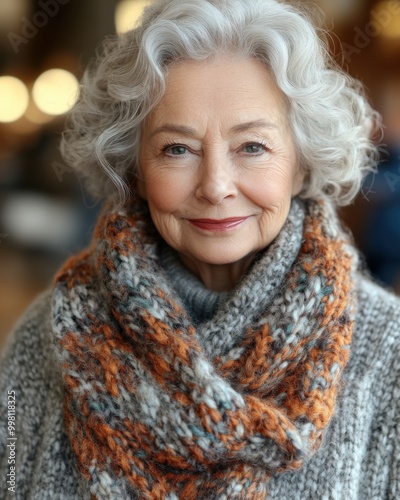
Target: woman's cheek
270, 187
167, 191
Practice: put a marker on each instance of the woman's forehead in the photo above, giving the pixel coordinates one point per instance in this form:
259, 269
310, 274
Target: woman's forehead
235, 91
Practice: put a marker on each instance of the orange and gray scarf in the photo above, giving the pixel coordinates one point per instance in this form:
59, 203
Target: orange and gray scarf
157, 408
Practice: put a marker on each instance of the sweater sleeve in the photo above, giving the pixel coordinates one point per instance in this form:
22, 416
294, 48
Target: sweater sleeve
33, 445
394, 480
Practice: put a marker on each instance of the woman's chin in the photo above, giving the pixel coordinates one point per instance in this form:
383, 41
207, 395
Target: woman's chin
220, 255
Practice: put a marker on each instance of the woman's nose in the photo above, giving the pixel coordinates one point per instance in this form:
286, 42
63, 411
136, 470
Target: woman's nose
216, 180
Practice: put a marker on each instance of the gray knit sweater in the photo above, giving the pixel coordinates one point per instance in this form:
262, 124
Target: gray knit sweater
359, 460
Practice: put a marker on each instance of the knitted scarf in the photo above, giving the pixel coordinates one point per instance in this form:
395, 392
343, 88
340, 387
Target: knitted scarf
158, 409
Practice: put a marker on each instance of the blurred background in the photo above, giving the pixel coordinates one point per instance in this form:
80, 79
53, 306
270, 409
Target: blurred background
45, 214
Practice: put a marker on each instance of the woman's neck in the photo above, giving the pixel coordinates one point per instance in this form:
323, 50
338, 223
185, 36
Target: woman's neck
218, 277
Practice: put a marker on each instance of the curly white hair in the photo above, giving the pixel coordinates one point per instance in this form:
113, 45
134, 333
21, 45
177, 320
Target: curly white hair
331, 119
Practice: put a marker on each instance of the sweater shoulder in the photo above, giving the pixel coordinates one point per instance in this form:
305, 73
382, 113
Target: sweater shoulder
376, 338
378, 305
32, 332
27, 358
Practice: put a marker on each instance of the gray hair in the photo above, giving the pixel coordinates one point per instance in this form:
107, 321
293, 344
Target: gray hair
330, 117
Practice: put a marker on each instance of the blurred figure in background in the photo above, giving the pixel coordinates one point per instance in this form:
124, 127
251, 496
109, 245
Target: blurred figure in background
381, 235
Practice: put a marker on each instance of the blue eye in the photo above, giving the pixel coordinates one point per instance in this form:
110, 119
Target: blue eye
177, 150
253, 148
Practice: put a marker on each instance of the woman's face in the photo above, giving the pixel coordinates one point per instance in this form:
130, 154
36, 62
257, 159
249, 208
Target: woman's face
218, 162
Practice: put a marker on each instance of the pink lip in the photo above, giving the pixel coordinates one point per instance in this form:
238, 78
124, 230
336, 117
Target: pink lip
218, 224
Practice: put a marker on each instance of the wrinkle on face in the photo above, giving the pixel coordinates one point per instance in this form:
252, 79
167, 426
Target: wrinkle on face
207, 109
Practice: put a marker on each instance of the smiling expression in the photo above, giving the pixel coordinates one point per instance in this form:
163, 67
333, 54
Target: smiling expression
218, 164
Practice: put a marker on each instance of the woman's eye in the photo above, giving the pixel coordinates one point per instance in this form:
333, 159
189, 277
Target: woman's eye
177, 150
253, 148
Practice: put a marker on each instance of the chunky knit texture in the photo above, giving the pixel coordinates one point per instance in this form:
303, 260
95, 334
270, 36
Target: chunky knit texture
360, 454
158, 410
200, 302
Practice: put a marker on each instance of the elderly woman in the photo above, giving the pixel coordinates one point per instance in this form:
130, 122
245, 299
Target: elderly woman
217, 340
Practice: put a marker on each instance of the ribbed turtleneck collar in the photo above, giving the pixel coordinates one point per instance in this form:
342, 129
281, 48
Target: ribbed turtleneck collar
201, 302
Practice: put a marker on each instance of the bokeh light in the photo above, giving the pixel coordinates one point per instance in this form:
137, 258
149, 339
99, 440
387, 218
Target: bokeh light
386, 14
11, 13
127, 12
14, 99
55, 91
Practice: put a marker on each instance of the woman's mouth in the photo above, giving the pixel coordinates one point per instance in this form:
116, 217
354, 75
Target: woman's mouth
218, 224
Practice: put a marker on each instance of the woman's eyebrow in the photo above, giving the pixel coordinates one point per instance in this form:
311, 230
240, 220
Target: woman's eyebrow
241, 127
170, 127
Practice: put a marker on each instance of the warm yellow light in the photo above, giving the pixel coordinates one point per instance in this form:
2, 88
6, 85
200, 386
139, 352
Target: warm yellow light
34, 115
55, 91
11, 12
386, 16
127, 12
14, 99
